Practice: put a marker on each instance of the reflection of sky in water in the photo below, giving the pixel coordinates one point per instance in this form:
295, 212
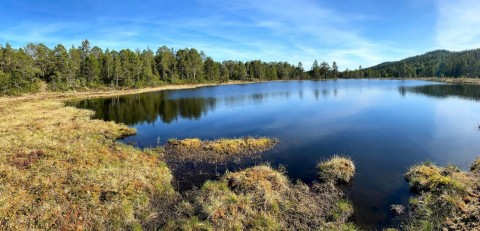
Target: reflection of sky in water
385, 126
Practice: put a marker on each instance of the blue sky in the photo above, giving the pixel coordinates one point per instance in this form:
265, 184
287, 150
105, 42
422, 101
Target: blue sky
350, 32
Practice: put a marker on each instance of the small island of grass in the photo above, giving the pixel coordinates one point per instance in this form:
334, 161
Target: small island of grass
336, 169
216, 151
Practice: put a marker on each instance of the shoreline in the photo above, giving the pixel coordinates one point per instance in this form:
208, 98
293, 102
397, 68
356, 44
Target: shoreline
110, 92
119, 92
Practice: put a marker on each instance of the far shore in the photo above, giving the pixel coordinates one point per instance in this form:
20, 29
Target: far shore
109, 92
44, 95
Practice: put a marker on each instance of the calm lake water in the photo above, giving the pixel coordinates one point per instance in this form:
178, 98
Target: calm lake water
384, 125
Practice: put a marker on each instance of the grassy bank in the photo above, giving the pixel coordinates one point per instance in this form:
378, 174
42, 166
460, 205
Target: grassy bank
452, 80
61, 170
448, 198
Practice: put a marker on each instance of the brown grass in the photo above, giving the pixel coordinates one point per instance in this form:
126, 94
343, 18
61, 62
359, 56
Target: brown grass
460, 80
261, 198
217, 151
61, 170
336, 169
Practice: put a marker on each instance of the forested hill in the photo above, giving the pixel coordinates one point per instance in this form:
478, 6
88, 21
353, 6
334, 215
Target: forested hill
440, 63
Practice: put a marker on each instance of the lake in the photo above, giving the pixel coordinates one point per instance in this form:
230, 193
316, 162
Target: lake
384, 125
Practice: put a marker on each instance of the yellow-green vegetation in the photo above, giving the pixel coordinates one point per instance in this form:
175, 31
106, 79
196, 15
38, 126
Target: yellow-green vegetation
216, 151
476, 166
336, 169
448, 198
261, 198
61, 170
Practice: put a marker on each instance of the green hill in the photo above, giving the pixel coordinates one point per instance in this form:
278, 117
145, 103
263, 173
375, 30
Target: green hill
439, 63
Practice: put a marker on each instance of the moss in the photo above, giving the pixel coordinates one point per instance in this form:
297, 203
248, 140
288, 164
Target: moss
342, 211
427, 177
70, 169
216, 151
196, 224
447, 198
337, 168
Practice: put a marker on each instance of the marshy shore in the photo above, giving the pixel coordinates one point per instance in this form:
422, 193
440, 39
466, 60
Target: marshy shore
60, 169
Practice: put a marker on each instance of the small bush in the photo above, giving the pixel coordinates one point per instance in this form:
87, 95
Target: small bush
336, 169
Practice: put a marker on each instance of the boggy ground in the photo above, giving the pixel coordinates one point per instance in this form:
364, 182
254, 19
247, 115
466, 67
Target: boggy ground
448, 199
62, 170
261, 198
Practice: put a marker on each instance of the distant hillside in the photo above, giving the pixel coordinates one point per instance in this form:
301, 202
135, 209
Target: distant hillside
439, 63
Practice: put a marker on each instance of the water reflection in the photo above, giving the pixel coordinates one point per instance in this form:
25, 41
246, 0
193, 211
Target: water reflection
465, 91
169, 106
147, 107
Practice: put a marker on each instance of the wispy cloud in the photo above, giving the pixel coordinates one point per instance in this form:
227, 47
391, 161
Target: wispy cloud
305, 30
270, 30
458, 24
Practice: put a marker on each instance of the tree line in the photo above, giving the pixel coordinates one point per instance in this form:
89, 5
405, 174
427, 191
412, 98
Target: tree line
36, 66
440, 63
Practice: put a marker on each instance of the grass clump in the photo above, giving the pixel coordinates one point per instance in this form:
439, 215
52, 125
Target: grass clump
428, 177
336, 169
262, 198
216, 151
447, 198
61, 170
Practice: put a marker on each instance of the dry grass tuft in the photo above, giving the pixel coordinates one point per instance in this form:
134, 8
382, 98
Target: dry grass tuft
336, 169
217, 151
59, 169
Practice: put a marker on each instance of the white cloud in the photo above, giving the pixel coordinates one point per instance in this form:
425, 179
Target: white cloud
458, 24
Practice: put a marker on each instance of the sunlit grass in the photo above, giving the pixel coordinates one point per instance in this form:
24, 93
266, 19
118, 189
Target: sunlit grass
336, 169
59, 169
448, 197
216, 151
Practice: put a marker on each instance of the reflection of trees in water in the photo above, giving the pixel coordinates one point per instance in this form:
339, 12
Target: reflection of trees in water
443, 90
147, 107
